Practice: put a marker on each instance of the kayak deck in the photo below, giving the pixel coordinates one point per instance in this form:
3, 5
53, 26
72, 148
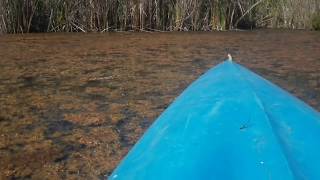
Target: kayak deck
229, 124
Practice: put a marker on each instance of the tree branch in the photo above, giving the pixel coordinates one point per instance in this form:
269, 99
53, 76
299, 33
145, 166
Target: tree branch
244, 14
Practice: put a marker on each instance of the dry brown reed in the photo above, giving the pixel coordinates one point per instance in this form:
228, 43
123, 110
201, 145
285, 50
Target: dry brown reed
20, 16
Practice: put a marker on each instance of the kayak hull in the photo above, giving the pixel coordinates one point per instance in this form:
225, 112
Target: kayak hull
229, 124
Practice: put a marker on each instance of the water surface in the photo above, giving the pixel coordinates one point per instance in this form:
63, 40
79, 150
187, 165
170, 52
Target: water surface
72, 105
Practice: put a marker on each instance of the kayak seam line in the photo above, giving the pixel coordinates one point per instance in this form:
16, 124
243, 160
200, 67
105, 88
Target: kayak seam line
264, 110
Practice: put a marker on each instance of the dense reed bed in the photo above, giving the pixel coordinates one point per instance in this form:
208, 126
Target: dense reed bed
20, 16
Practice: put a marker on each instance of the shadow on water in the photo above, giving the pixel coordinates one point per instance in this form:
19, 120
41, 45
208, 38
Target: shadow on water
72, 106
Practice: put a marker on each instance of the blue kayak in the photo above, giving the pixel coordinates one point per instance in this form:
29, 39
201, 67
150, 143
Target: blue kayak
229, 124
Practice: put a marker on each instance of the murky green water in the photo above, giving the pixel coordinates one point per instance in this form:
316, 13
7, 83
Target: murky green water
72, 105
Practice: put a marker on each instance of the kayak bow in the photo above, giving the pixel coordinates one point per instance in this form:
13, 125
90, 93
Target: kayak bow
229, 124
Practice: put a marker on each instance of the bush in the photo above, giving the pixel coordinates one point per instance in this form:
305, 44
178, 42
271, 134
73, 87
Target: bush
316, 22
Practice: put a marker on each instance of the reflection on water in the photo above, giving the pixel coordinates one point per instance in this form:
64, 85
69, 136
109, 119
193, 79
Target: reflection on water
72, 105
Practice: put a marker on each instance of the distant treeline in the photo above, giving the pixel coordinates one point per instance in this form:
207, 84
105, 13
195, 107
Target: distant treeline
21, 16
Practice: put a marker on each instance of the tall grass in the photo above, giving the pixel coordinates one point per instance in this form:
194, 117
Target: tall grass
20, 16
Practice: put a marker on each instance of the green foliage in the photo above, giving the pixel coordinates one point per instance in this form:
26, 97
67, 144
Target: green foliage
316, 22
